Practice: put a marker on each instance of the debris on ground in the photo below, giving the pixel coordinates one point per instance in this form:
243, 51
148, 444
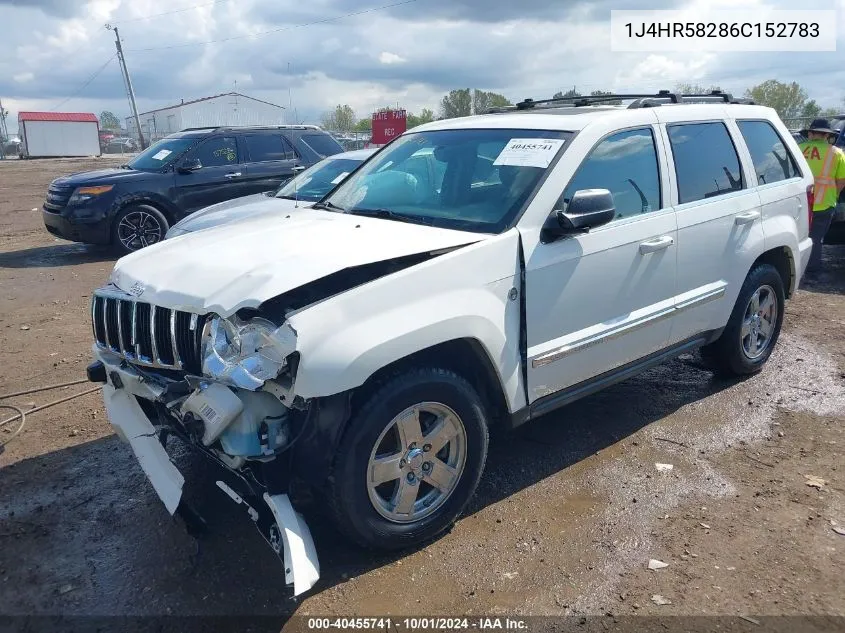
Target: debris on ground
839, 530
815, 482
664, 468
510, 575
705, 526
66, 588
24, 327
660, 600
655, 564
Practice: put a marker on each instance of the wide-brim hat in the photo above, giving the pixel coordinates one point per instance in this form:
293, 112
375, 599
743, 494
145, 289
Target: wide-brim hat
822, 126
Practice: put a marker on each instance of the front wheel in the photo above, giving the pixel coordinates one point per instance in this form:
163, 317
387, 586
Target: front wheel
754, 326
410, 460
137, 226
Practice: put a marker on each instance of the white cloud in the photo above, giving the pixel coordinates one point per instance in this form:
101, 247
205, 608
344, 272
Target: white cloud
409, 54
391, 58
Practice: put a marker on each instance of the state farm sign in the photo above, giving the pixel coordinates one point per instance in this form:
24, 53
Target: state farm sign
388, 125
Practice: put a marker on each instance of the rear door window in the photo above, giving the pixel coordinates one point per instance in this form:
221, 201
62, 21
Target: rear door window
267, 147
706, 162
772, 161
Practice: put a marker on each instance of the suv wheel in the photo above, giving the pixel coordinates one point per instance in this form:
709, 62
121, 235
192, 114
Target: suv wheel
410, 460
137, 226
754, 326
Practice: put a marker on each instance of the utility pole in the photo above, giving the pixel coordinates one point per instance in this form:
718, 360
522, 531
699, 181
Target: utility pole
290, 97
126, 78
4, 132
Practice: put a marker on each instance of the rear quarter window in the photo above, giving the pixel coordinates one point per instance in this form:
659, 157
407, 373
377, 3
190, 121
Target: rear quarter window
772, 161
322, 144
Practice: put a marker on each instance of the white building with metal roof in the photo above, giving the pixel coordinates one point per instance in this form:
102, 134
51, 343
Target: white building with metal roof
228, 109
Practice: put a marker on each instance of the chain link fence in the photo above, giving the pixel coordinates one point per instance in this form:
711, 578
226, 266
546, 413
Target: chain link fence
351, 140
797, 123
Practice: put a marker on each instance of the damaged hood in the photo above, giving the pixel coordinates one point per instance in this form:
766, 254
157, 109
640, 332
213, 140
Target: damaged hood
226, 268
230, 211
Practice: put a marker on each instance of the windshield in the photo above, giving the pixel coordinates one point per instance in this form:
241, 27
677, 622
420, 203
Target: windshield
472, 180
161, 153
316, 181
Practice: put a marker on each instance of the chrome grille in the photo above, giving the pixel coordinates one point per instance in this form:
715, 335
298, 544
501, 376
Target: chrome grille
147, 334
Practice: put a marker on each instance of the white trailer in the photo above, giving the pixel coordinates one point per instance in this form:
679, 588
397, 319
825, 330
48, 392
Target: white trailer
53, 134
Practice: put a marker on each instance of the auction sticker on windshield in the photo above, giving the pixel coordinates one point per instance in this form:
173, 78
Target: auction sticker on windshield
529, 152
162, 154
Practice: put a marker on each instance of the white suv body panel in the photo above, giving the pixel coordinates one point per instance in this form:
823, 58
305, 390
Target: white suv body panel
463, 294
624, 295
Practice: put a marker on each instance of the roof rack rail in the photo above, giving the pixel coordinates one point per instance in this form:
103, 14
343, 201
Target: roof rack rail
640, 100
252, 127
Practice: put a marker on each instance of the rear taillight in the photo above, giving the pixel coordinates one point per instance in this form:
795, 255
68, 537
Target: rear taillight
811, 195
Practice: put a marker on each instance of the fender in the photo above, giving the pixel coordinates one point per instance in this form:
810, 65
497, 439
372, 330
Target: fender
159, 201
464, 294
782, 231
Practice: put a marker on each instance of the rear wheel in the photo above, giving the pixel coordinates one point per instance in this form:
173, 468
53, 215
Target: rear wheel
138, 226
410, 460
754, 326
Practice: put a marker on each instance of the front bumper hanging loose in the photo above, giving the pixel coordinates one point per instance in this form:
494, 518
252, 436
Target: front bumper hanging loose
289, 534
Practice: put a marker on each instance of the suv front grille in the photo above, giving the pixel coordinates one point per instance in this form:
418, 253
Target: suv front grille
146, 334
57, 198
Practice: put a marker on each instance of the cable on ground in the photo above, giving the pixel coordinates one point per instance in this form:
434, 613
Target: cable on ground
22, 414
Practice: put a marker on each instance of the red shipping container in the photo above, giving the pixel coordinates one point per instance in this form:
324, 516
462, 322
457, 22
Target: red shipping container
388, 125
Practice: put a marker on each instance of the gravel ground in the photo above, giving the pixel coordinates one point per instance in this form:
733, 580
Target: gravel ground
569, 512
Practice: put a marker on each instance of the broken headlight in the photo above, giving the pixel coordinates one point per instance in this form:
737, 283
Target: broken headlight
245, 353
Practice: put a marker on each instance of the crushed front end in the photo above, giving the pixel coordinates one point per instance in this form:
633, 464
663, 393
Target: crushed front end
223, 387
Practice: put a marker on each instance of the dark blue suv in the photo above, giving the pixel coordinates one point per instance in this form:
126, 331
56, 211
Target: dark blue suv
132, 206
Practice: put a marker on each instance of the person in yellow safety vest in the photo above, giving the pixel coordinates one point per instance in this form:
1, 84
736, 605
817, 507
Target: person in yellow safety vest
828, 166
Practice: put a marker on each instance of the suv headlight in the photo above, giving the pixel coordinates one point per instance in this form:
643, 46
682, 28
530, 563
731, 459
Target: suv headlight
245, 353
83, 194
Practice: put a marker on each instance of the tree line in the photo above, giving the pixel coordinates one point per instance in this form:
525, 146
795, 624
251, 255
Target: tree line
790, 100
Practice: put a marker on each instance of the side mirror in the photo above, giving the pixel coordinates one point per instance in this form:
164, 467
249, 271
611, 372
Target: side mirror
190, 165
587, 209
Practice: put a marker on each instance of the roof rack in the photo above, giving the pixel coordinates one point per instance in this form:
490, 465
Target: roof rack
639, 100
250, 127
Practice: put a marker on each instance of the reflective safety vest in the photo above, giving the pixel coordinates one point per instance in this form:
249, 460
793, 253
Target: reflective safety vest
826, 168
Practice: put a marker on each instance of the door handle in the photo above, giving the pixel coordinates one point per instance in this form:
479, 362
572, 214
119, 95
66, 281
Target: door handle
747, 217
657, 244
297, 168
235, 174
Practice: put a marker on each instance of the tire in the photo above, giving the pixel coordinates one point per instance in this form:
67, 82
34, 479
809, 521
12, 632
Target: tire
148, 221
371, 514
733, 353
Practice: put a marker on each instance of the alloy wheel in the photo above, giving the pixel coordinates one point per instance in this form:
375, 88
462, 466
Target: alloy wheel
759, 321
417, 462
138, 229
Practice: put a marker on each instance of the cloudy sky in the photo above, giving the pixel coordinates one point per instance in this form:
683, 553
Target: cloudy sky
316, 54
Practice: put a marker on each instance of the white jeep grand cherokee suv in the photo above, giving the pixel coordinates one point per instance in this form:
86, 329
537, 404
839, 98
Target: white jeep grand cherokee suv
475, 272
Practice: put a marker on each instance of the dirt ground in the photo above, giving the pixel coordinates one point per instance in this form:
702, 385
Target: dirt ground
569, 512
